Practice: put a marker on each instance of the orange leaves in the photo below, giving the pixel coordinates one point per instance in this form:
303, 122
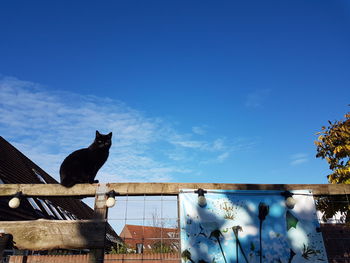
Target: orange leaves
333, 144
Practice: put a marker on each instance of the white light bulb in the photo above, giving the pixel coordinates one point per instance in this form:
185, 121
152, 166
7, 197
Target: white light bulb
110, 202
14, 202
202, 201
290, 202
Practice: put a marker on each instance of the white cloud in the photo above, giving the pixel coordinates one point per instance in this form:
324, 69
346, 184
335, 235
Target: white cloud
198, 130
257, 98
190, 144
299, 161
298, 158
48, 125
222, 157
218, 144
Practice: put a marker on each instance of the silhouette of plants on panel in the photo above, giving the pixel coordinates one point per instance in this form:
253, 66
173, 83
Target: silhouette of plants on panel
217, 234
309, 252
235, 230
291, 256
263, 212
186, 256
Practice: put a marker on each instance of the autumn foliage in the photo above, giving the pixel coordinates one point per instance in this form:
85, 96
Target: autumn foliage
333, 144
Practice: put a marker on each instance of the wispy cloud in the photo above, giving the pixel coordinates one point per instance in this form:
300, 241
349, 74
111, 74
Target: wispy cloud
198, 130
190, 144
257, 98
47, 125
298, 158
218, 144
222, 157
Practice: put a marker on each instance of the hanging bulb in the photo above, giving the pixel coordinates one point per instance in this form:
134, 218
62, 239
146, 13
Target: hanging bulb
110, 202
289, 200
202, 201
15, 201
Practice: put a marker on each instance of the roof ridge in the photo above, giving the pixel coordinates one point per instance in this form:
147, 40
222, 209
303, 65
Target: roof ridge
140, 226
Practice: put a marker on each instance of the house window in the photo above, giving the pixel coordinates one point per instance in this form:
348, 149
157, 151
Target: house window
73, 216
46, 207
41, 179
175, 248
65, 213
34, 204
70, 215
171, 234
139, 248
53, 209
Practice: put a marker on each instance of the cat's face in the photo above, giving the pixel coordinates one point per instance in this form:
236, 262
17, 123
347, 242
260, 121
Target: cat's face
103, 141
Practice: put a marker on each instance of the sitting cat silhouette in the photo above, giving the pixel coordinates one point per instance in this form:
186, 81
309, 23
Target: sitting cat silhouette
82, 165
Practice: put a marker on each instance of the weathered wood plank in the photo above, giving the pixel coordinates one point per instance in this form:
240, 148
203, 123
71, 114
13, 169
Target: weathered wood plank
85, 190
48, 190
45, 234
100, 212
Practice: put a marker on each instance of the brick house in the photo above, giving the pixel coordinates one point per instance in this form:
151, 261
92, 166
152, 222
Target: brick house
150, 239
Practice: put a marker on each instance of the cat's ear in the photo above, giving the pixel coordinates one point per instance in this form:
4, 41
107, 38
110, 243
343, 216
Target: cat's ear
97, 133
110, 135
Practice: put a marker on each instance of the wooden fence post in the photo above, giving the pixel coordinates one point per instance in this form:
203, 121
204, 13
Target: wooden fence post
100, 214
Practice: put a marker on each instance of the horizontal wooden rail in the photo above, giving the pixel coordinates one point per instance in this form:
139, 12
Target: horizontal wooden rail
45, 234
89, 190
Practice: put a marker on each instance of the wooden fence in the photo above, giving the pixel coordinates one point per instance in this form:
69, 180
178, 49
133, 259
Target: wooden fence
61, 234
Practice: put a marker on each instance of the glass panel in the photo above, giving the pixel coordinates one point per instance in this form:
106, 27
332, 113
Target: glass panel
39, 176
54, 210
147, 224
47, 209
33, 203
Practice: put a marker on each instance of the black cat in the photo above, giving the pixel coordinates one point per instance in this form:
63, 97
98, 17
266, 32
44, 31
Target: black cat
82, 165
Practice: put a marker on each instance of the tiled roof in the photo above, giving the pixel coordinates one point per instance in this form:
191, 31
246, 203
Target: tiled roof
137, 231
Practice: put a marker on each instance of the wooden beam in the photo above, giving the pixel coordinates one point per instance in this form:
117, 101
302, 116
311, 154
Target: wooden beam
174, 188
89, 190
100, 213
80, 190
45, 234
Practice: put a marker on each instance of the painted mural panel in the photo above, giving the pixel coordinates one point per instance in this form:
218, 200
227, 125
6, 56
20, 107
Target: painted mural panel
250, 226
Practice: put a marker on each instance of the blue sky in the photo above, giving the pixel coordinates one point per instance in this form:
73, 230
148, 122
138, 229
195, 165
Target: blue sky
194, 91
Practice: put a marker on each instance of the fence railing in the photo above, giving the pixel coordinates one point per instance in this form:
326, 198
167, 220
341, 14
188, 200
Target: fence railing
80, 234
90, 190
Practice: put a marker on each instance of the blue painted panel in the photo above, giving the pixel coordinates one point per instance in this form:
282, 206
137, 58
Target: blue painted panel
233, 227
